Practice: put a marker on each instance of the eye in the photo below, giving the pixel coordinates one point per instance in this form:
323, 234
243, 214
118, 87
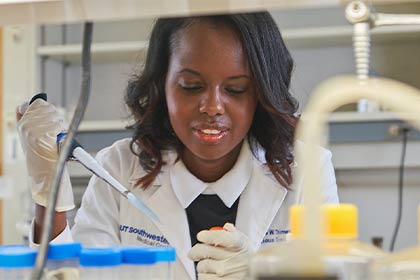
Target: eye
235, 90
190, 87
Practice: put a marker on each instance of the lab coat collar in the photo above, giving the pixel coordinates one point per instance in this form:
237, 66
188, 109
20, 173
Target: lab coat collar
228, 188
232, 184
185, 185
259, 204
173, 220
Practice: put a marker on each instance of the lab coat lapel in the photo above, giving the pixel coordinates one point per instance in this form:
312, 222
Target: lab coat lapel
259, 204
173, 221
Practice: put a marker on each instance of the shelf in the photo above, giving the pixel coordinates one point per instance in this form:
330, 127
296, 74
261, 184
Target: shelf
297, 37
351, 117
101, 52
346, 117
336, 117
342, 35
374, 155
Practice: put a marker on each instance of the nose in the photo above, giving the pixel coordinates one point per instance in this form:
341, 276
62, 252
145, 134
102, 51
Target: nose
212, 103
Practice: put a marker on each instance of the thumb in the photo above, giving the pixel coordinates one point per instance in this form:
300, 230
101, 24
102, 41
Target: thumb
229, 227
21, 109
229, 237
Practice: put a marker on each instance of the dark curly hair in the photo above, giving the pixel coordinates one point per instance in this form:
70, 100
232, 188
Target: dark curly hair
271, 66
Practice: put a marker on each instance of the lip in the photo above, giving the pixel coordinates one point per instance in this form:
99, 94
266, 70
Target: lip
203, 126
210, 138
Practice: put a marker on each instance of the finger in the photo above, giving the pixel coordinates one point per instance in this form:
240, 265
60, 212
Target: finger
207, 276
202, 251
211, 276
214, 267
38, 107
232, 240
222, 269
43, 113
229, 227
18, 114
21, 109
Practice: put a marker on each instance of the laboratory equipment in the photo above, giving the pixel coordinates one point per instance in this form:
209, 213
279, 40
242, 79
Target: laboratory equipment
137, 263
16, 262
63, 261
79, 154
344, 256
404, 265
333, 93
359, 14
304, 257
347, 257
100, 263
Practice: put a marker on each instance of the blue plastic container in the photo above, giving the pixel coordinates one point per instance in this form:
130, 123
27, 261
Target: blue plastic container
16, 262
100, 263
63, 260
137, 263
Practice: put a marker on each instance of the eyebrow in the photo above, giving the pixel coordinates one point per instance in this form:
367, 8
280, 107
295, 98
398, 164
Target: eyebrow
195, 73
186, 70
239, 76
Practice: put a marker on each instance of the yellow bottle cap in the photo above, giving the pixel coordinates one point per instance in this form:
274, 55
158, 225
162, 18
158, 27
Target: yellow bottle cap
340, 220
296, 220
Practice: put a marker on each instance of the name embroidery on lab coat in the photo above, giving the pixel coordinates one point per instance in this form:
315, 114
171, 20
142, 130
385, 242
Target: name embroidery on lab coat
144, 236
275, 235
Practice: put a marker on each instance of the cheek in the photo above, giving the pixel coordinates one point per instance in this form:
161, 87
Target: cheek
171, 105
171, 102
244, 119
243, 114
178, 109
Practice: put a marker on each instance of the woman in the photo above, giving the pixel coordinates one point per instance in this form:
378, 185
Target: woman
212, 146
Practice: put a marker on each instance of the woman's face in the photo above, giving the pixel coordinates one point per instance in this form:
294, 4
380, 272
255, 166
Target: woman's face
210, 92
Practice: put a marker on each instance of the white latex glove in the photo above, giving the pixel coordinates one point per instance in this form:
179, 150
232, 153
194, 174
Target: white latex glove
222, 254
38, 128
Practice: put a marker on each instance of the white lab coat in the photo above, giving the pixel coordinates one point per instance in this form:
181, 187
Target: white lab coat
106, 218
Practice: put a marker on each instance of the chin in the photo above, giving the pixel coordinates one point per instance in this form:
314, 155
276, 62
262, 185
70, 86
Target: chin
211, 152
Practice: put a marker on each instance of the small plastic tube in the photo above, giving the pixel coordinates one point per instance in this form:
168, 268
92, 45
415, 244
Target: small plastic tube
63, 260
16, 262
100, 263
137, 263
216, 228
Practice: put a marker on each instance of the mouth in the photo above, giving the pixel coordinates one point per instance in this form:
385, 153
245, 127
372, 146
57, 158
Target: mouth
210, 135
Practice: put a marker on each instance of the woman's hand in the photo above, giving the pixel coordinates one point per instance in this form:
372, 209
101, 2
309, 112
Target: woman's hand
38, 126
222, 254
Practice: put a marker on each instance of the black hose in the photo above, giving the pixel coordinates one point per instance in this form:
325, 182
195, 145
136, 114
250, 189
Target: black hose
64, 153
404, 132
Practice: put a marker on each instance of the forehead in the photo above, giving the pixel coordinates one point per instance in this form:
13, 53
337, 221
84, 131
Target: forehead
210, 45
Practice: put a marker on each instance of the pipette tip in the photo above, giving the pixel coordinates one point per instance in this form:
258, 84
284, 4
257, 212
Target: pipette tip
142, 207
